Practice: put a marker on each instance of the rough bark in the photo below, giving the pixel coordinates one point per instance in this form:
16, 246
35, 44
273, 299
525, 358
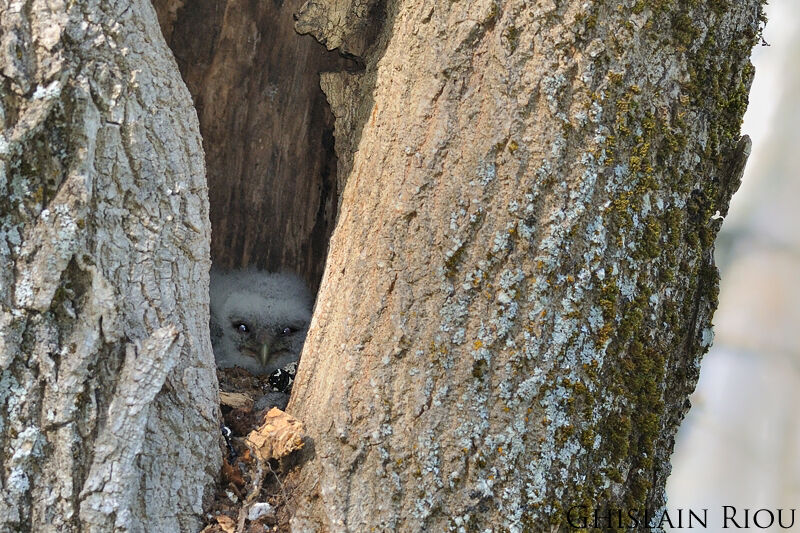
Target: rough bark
520, 286
108, 396
267, 130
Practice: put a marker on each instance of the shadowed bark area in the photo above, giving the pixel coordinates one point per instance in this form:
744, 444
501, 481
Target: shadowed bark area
520, 286
267, 130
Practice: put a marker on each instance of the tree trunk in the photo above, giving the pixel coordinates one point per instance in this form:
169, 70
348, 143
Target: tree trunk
108, 396
520, 286
516, 298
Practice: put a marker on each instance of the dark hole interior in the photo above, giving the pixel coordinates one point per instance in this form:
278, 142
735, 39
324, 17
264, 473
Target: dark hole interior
267, 130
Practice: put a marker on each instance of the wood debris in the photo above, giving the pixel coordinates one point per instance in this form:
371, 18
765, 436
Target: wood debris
236, 400
278, 436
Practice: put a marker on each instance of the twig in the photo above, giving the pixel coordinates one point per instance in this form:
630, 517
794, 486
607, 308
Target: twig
280, 484
258, 481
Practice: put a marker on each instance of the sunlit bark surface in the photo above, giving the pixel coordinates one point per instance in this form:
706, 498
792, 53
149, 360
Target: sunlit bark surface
520, 285
108, 396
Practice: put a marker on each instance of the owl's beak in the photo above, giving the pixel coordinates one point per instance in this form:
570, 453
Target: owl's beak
264, 354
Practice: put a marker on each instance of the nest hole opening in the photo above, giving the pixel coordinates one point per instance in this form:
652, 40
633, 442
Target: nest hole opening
271, 167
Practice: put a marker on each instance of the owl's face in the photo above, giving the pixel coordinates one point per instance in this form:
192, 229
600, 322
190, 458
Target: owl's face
259, 320
268, 332
261, 343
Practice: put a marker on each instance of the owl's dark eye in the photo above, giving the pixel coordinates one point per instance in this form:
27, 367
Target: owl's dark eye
241, 327
287, 331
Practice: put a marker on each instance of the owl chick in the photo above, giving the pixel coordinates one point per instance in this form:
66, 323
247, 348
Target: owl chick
259, 320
